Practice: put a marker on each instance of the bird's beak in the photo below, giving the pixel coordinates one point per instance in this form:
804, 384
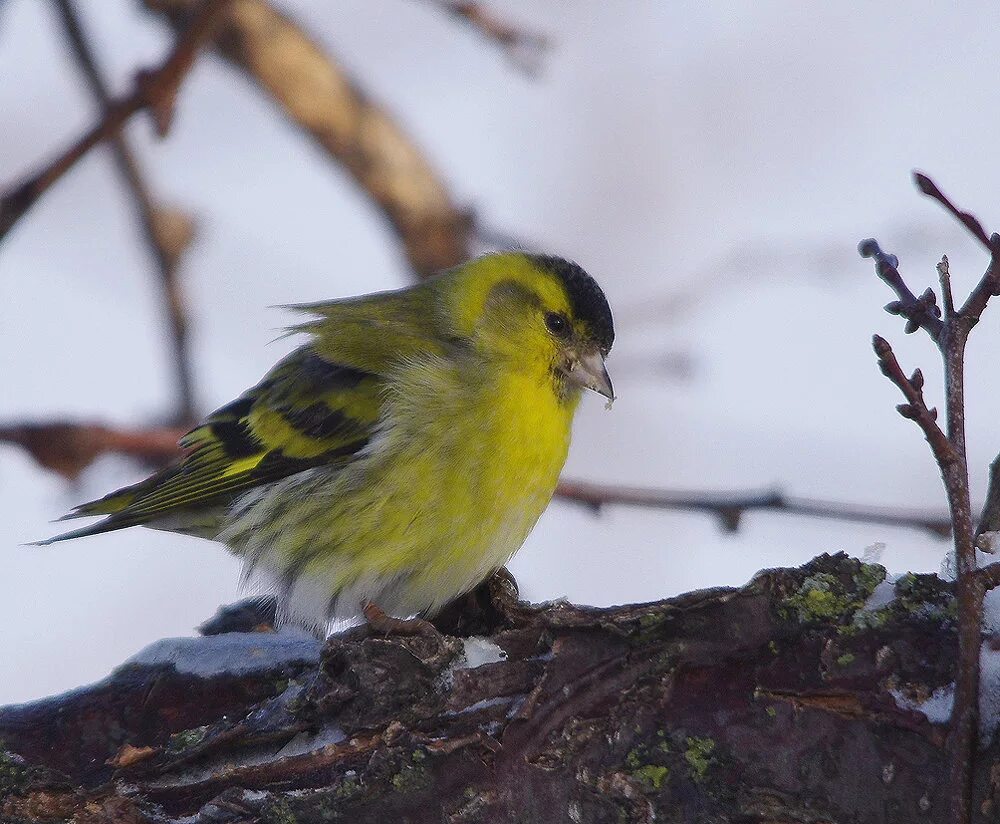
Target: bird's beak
589, 372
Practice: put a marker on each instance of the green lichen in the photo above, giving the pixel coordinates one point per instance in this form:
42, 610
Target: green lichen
348, 787
824, 597
186, 739
13, 773
642, 767
771, 712
773, 647
277, 811
652, 776
699, 757
413, 776
868, 577
846, 659
925, 596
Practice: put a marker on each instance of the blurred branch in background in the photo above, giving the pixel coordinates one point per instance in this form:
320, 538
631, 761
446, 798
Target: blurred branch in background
317, 94
68, 448
168, 232
154, 90
729, 507
525, 49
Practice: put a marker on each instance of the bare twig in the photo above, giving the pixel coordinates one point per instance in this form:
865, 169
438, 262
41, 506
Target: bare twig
929, 188
68, 448
154, 90
920, 313
989, 521
915, 408
317, 94
951, 335
526, 49
729, 507
168, 232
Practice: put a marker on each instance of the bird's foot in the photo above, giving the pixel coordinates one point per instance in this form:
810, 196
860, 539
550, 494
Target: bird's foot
377, 619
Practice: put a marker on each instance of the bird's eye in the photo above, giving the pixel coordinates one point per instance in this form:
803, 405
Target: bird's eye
557, 323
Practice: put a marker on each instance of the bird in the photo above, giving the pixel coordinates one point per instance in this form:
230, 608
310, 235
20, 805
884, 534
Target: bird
399, 456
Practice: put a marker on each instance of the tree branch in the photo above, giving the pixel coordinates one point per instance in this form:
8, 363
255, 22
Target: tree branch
316, 94
920, 313
951, 336
167, 232
524, 48
154, 90
729, 507
747, 704
68, 448
915, 409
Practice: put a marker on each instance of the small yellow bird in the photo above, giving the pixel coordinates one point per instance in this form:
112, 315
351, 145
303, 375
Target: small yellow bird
403, 453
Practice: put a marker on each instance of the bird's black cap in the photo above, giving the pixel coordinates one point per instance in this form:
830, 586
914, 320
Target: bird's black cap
585, 297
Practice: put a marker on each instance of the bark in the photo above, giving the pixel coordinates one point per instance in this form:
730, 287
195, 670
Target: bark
782, 701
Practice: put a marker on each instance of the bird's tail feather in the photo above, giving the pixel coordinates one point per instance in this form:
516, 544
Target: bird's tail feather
107, 525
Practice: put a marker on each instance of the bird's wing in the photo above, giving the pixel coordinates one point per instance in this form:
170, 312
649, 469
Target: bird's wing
306, 412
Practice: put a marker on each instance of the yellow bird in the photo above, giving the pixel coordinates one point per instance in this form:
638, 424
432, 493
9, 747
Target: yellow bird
403, 453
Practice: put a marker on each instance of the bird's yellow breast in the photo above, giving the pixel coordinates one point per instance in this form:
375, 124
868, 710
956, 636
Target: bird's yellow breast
476, 471
465, 460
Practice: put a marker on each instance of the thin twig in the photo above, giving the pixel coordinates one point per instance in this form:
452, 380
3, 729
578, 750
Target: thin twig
154, 90
989, 520
920, 313
916, 408
167, 232
730, 506
317, 94
929, 188
526, 49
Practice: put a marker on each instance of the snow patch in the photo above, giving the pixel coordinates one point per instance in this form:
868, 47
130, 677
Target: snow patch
237, 653
479, 651
304, 742
937, 708
484, 704
873, 553
883, 595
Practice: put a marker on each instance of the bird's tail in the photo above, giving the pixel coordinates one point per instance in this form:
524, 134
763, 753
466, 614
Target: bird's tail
113, 505
107, 525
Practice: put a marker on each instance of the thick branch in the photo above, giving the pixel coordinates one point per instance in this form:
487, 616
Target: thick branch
168, 232
154, 90
317, 95
761, 704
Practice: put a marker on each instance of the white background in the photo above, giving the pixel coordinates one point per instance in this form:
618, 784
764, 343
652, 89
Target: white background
729, 154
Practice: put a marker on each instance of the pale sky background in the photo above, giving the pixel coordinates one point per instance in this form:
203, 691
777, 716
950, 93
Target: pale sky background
734, 150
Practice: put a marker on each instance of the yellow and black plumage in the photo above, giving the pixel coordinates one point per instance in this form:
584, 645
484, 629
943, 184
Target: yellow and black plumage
400, 455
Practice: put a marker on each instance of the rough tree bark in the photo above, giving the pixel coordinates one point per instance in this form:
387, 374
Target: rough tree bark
783, 701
